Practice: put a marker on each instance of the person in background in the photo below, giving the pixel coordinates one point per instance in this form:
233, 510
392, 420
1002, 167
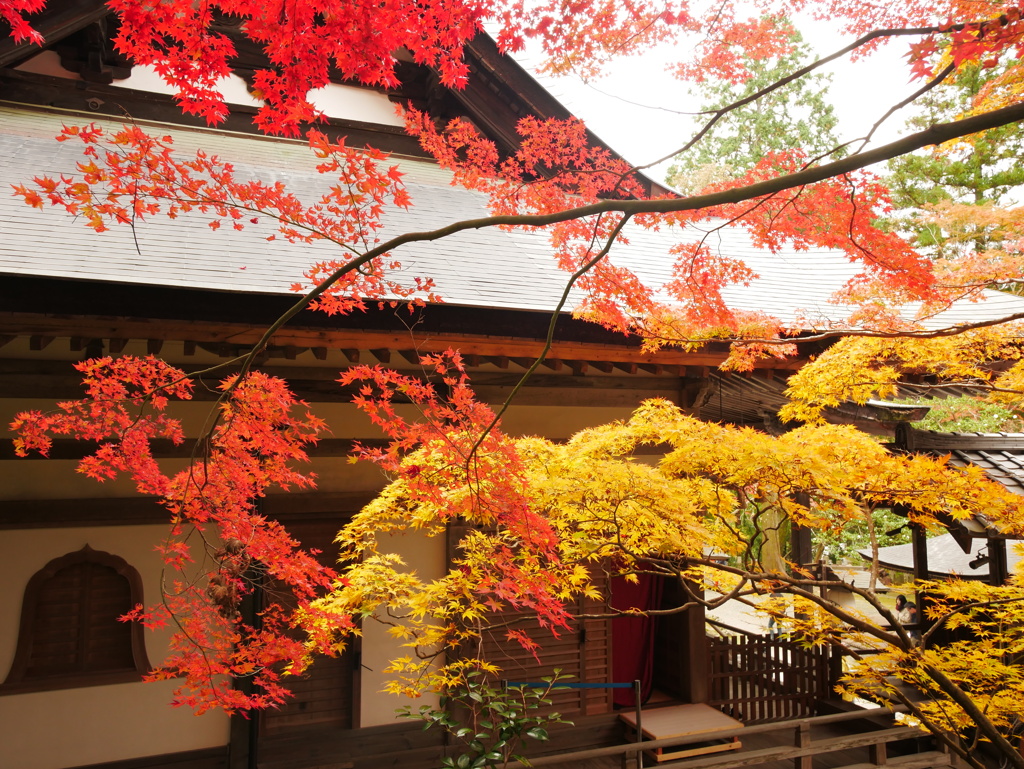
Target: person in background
911, 620
901, 609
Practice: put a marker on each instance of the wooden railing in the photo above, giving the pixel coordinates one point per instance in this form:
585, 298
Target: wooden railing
759, 679
801, 748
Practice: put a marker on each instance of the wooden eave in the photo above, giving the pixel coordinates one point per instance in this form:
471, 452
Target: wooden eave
55, 22
497, 94
125, 103
227, 323
495, 73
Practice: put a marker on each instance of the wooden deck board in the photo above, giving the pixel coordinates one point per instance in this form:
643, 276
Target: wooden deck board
840, 759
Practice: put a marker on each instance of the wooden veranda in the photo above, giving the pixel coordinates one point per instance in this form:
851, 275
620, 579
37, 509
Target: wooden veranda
852, 740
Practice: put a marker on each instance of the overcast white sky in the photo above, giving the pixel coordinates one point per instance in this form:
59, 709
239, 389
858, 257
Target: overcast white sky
636, 109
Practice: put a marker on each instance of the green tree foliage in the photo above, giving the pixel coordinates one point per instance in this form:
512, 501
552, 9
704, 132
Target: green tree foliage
795, 115
983, 169
884, 526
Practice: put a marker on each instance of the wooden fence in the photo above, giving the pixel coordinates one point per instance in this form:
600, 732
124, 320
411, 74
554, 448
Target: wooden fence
759, 679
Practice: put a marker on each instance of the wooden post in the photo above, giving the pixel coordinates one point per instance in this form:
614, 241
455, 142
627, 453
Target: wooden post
877, 754
803, 740
955, 760
639, 722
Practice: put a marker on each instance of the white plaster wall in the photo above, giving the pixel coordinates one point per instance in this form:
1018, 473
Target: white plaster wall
72, 727
47, 63
336, 101
426, 558
76, 727
134, 719
145, 78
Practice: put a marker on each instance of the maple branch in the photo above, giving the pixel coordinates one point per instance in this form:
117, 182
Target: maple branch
956, 330
935, 81
806, 70
940, 733
1008, 753
804, 587
941, 620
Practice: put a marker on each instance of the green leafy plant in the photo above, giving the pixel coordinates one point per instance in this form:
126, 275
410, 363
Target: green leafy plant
967, 414
489, 720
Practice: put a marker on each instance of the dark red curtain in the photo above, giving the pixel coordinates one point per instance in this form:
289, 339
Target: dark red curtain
633, 637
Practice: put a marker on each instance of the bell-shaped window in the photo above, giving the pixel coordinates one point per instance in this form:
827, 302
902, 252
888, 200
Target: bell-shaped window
70, 633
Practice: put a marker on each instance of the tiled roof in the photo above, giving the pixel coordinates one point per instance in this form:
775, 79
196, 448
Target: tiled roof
486, 267
1000, 455
1006, 467
945, 558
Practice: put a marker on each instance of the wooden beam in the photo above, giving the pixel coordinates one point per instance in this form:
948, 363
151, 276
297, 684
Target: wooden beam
154, 346
70, 448
59, 513
39, 342
382, 354
20, 377
116, 346
355, 339
694, 394
134, 511
570, 397
501, 361
320, 353
351, 354
410, 356
579, 367
602, 366
220, 350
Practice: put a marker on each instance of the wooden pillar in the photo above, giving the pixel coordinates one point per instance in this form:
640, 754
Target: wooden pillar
244, 732
920, 541
695, 388
800, 545
681, 655
699, 659
998, 569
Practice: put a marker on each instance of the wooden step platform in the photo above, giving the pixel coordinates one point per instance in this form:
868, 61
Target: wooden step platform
685, 721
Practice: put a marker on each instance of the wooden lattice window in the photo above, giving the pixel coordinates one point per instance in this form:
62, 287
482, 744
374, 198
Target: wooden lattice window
70, 634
